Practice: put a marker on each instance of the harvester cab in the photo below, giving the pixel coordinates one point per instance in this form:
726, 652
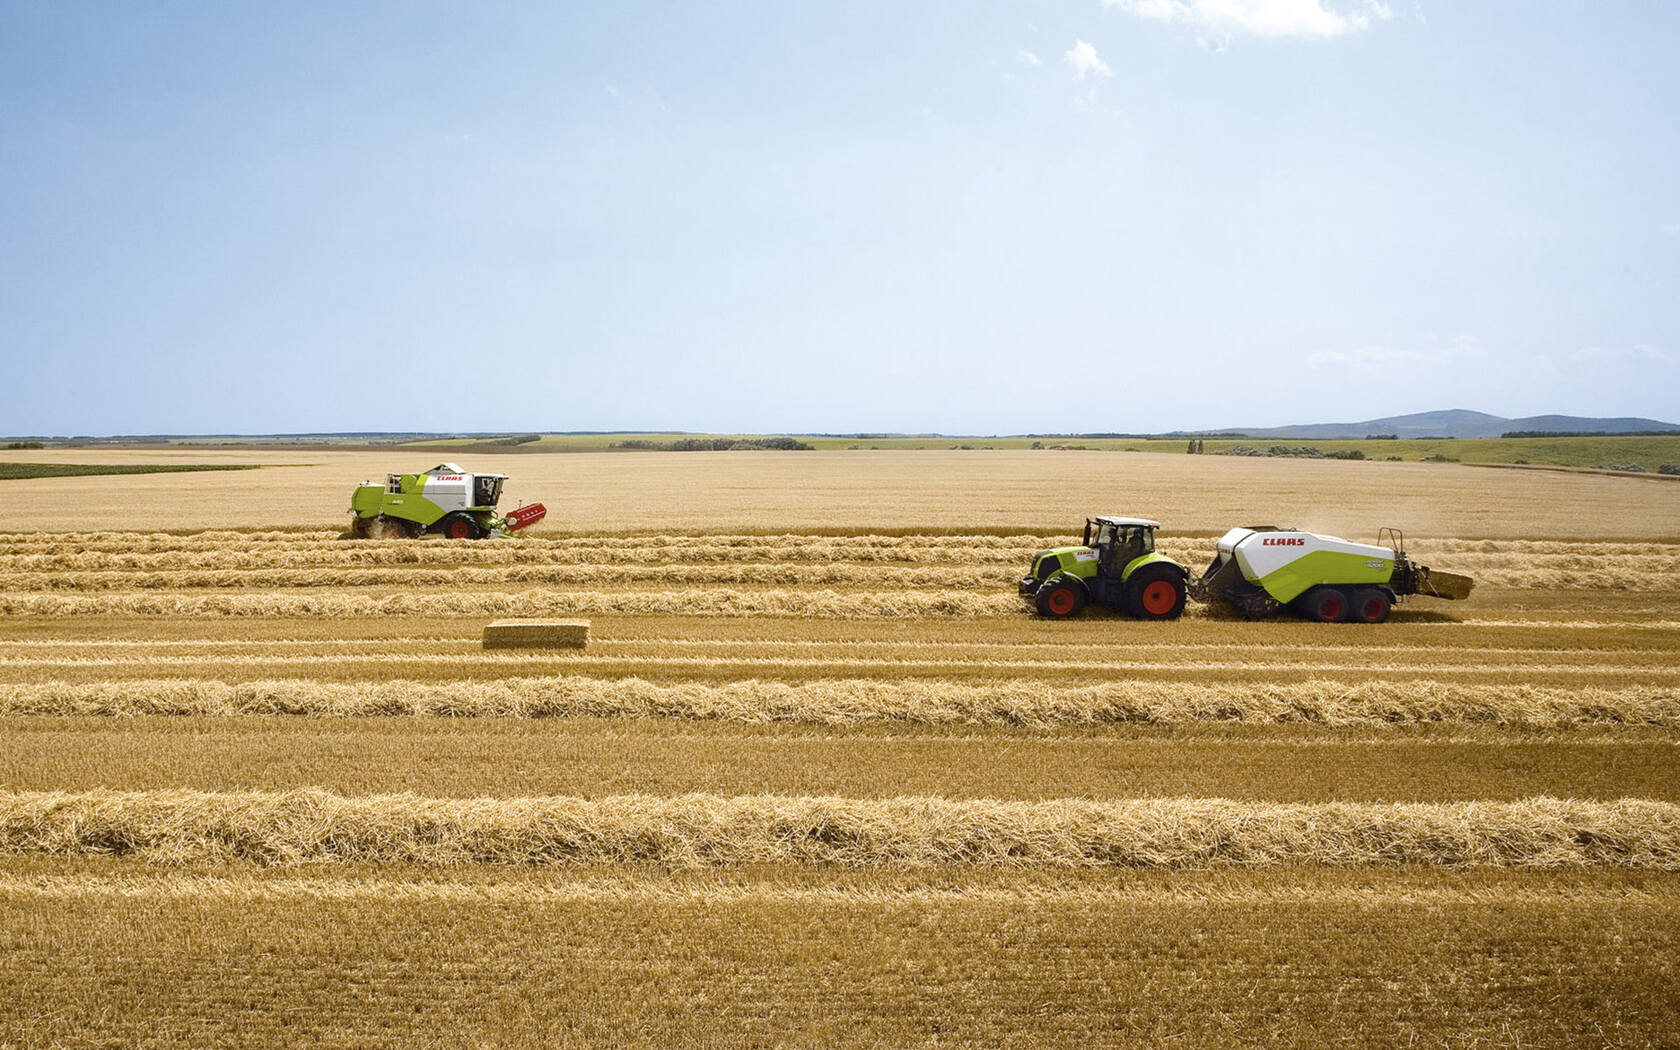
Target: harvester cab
1117, 566
445, 500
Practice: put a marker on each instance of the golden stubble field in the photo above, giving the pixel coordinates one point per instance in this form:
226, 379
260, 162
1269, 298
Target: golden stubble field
819, 778
863, 491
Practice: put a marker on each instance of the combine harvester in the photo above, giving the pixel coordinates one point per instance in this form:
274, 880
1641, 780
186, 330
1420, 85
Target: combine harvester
1259, 570
445, 500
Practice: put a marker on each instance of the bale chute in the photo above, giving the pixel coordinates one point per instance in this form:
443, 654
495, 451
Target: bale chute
1438, 584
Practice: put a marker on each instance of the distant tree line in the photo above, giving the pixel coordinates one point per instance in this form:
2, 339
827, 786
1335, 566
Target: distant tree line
1588, 433
1294, 452
778, 444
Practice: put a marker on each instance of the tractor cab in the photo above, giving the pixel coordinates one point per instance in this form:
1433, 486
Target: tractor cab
1116, 566
1118, 541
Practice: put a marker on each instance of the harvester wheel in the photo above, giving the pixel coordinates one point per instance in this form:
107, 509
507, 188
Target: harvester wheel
1155, 593
1061, 598
1325, 604
1370, 605
359, 526
459, 526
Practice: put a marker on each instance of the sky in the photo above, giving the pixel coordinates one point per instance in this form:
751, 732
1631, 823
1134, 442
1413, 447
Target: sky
977, 217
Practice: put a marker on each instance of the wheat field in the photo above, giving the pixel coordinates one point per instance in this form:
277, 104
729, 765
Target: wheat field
820, 778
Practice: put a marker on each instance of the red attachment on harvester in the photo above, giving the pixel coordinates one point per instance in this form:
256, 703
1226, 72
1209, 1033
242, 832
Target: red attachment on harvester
527, 515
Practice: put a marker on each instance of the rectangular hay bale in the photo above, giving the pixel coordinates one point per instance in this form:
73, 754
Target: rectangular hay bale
536, 634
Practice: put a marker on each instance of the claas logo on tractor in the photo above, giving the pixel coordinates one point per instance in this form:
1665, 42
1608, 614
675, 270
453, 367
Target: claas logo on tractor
446, 501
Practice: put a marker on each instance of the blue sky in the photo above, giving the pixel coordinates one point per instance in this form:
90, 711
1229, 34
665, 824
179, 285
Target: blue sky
975, 217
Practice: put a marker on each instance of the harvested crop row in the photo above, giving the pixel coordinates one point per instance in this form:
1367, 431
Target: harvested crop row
826, 604
1630, 575
801, 572
49, 544
1591, 667
117, 539
597, 573
864, 701
1538, 548
112, 550
1581, 569
1420, 890
521, 553
694, 831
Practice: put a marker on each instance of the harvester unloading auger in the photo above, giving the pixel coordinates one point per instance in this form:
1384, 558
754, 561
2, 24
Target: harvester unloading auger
1259, 570
445, 500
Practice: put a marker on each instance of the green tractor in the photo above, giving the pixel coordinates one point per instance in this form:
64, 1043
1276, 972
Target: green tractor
1117, 567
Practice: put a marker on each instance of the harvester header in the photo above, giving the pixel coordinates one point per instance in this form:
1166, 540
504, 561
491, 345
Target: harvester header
445, 500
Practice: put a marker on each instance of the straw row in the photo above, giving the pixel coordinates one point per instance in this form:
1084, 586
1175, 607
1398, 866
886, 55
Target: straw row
856, 701
943, 577
819, 604
56, 543
693, 831
1290, 888
801, 571
813, 551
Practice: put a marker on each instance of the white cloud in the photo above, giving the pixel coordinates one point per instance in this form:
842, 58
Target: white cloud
1460, 350
1268, 19
1083, 58
1027, 58
1637, 354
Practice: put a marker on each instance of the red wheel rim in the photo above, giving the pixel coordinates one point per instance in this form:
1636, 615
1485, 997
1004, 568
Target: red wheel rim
459, 530
1374, 609
1159, 598
1330, 609
1061, 601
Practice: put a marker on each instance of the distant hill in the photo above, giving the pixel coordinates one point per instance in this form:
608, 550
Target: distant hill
1454, 423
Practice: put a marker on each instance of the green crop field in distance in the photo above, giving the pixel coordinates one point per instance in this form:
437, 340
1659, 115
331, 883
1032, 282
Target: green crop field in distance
1649, 451
18, 471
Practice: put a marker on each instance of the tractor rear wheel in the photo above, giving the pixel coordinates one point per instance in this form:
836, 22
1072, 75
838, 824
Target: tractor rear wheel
459, 526
1061, 598
1370, 605
1325, 604
1155, 593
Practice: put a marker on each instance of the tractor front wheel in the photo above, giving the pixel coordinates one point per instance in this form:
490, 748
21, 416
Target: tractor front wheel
1155, 594
1061, 598
1325, 604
